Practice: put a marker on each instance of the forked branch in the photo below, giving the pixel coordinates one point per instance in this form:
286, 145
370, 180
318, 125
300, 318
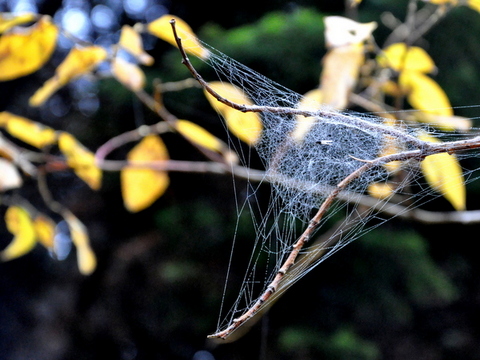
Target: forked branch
421, 149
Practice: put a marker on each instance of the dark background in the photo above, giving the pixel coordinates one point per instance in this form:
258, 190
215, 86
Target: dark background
405, 291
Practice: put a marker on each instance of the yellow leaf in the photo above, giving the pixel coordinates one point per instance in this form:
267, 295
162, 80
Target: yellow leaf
44, 230
311, 101
247, 126
28, 131
442, 2
25, 50
341, 31
445, 123
425, 94
198, 135
474, 4
162, 29
391, 146
444, 174
86, 259
9, 20
10, 178
20, 225
341, 67
78, 62
143, 186
131, 41
380, 190
399, 57
81, 160
130, 75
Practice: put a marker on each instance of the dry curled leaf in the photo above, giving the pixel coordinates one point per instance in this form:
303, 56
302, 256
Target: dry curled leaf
79, 61
25, 50
341, 68
81, 160
247, 126
341, 31
141, 186
10, 177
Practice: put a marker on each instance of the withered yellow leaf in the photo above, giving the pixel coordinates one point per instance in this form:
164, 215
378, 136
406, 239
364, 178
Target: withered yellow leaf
19, 223
130, 75
28, 131
341, 31
247, 126
131, 41
311, 101
25, 50
44, 230
399, 57
143, 186
86, 259
79, 61
81, 160
423, 93
198, 135
10, 177
444, 174
162, 29
9, 20
341, 67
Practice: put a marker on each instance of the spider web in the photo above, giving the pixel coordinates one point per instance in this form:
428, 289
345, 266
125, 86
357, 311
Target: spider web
301, 173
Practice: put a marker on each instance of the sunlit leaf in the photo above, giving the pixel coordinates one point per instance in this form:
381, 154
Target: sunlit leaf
311, 101
341, 31
19, 223
143, 186
25, 50
81, 160
130, 75
9, 20
445, 123
247, 126
86, 259
44, 230
341, 67
198, 135
380, 190
79, 61
399, 57
28, 131
131, 41
474, 4
10, 177
444, 174
425, 94
162, 29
